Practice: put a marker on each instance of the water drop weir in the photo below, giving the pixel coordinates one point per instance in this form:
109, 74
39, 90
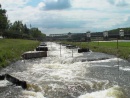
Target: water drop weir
14, 80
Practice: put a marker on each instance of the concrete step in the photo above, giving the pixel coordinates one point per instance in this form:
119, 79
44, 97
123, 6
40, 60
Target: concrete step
42, 48
83, 50
34, 54
14, 80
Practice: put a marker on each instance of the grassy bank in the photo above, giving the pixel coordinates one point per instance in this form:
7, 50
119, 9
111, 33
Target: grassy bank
123, 50
11, 49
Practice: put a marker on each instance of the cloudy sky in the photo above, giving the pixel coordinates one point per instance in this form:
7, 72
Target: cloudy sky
63, 16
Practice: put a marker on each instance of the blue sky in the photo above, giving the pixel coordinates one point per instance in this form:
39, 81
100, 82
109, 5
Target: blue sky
33, 3
63, 16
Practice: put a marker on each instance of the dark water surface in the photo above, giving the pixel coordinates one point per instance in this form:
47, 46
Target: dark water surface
85, 75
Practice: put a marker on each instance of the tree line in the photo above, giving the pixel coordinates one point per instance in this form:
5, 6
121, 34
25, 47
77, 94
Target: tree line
17, 29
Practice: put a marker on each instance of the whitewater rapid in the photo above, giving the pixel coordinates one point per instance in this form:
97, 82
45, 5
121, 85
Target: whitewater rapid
61, 75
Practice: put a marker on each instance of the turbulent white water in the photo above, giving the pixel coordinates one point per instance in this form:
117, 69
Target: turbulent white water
85, 75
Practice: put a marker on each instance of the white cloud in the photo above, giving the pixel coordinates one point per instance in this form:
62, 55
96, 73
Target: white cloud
119, 2
98, 4
12, 4
41, 5
83, 15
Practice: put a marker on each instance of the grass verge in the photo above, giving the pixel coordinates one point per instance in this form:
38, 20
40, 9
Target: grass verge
12, 49
123, 50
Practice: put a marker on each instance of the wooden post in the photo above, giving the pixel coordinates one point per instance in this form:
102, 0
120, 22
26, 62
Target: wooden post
117, 42
98, 40
72, 52
60, 49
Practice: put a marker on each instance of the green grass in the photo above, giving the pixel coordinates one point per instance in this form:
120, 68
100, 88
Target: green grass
12, 49
123, 50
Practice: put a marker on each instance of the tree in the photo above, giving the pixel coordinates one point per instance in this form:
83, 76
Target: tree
25, 30
37, 34
17, 29
3, 20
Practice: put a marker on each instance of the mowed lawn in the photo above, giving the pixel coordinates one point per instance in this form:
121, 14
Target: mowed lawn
11, 49
122, 51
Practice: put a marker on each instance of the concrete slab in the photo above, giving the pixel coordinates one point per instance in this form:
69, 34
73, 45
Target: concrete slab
34, 54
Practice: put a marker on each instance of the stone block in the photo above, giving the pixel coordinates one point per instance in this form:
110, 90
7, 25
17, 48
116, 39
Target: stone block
34, 54
42, 48
83, 50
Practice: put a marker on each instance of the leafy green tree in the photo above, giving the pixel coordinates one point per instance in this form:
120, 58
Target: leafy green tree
37, 34
17, 29
3, 20
26, 30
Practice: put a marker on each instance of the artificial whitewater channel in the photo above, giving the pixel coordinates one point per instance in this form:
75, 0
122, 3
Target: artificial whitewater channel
85, 75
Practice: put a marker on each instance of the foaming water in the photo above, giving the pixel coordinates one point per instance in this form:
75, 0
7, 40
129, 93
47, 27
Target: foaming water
32, 94
114, 92
69, 74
